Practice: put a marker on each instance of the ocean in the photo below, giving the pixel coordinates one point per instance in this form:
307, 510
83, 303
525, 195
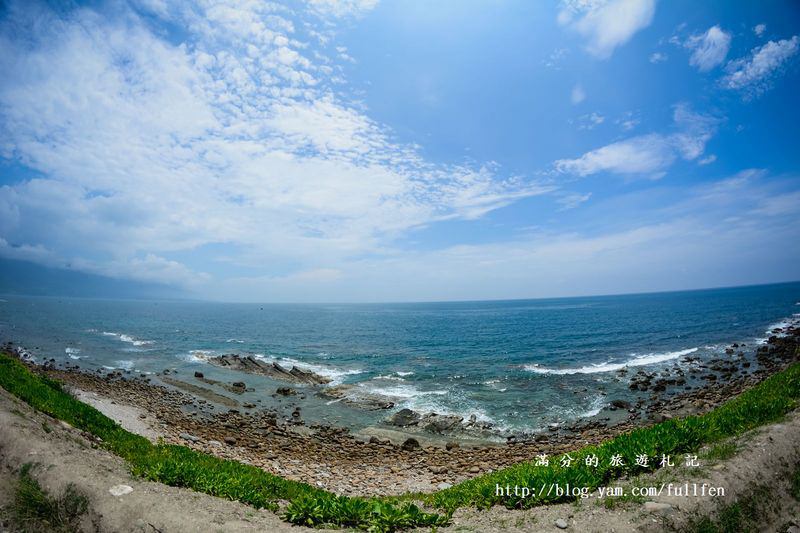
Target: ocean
520, 365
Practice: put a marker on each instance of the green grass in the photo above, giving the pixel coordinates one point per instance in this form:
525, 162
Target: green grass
34, 510
177, 465
742, 516
721, 451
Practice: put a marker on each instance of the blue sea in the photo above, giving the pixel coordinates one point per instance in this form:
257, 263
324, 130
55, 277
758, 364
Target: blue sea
520, 364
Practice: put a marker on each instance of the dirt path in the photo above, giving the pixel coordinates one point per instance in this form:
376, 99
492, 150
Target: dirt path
65, 456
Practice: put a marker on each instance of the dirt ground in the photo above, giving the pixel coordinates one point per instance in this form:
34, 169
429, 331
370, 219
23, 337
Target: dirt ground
766, 457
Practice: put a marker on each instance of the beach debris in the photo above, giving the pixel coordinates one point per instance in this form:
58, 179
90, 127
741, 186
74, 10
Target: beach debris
120, 490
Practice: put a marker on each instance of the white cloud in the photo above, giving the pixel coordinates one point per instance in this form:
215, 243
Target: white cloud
590, 121
709, 48
647, 155
607, 24
707, 160
658, 57
151, 150
342, 8
753, 75
759, 29
571, 201
577, 95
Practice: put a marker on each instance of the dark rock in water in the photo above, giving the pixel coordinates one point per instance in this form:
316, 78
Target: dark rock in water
273, 370
440, 423
410, 444
451, 445
403, 418
198, 375
239, 385
285, 391
357, 397
621, 404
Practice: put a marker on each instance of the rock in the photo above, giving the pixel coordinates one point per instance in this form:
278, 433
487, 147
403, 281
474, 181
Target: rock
285, 391
561, 523
251, 365
621, 404
410, 444
443, 485
230, 440
198, 375
451, 445
474, 470
120, 490
403, 418
440, 423
439, 469
189, 437
357, 397
656, 507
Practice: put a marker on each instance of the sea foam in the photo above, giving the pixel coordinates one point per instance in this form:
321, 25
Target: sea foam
641, 360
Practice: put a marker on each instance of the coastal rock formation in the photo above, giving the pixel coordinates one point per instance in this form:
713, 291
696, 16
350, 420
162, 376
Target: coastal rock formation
251, 365
357, 397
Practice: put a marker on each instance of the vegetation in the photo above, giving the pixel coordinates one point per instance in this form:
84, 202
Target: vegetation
33, 510
741, 516
181, 466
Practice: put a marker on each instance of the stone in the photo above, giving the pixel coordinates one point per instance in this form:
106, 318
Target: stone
621, 404
451, 445
656, 507
474, 470
251, 365
439, 469
443, 485
229, 440
285, 391
199, 375
189, 437
120, 490
441, 423
403, 418
410, 444
561, 523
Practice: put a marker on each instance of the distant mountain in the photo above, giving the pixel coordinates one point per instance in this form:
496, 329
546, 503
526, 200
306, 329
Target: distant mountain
23, 277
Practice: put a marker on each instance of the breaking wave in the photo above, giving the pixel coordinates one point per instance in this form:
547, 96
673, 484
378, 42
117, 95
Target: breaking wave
641, 360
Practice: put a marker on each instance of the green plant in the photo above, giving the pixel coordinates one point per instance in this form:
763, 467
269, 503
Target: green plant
33, 510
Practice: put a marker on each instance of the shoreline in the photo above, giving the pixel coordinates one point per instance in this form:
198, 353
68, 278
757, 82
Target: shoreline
359, 464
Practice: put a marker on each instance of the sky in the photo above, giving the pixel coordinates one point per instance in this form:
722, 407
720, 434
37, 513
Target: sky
376, 150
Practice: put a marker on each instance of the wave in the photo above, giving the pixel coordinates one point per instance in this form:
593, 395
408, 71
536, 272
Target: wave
127, 338
237, 341
641, 360
73, 352
336, 375
120, 365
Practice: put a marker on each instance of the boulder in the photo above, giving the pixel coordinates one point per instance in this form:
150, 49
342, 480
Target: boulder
404, 418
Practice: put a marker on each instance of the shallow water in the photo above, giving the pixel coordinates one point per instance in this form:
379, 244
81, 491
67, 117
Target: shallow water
519, 364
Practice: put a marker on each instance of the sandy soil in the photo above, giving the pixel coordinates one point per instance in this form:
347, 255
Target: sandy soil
132, 418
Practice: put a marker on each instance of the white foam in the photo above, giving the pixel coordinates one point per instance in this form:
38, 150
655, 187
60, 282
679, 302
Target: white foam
404, 374
641, 360
127, 338
390, 377
198, 356
237, 341
336, 375
73, 352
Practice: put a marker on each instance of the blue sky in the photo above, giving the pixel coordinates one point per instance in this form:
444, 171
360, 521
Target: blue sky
365, 150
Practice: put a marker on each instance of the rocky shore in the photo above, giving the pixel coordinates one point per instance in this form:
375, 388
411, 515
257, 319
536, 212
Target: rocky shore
333, 458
